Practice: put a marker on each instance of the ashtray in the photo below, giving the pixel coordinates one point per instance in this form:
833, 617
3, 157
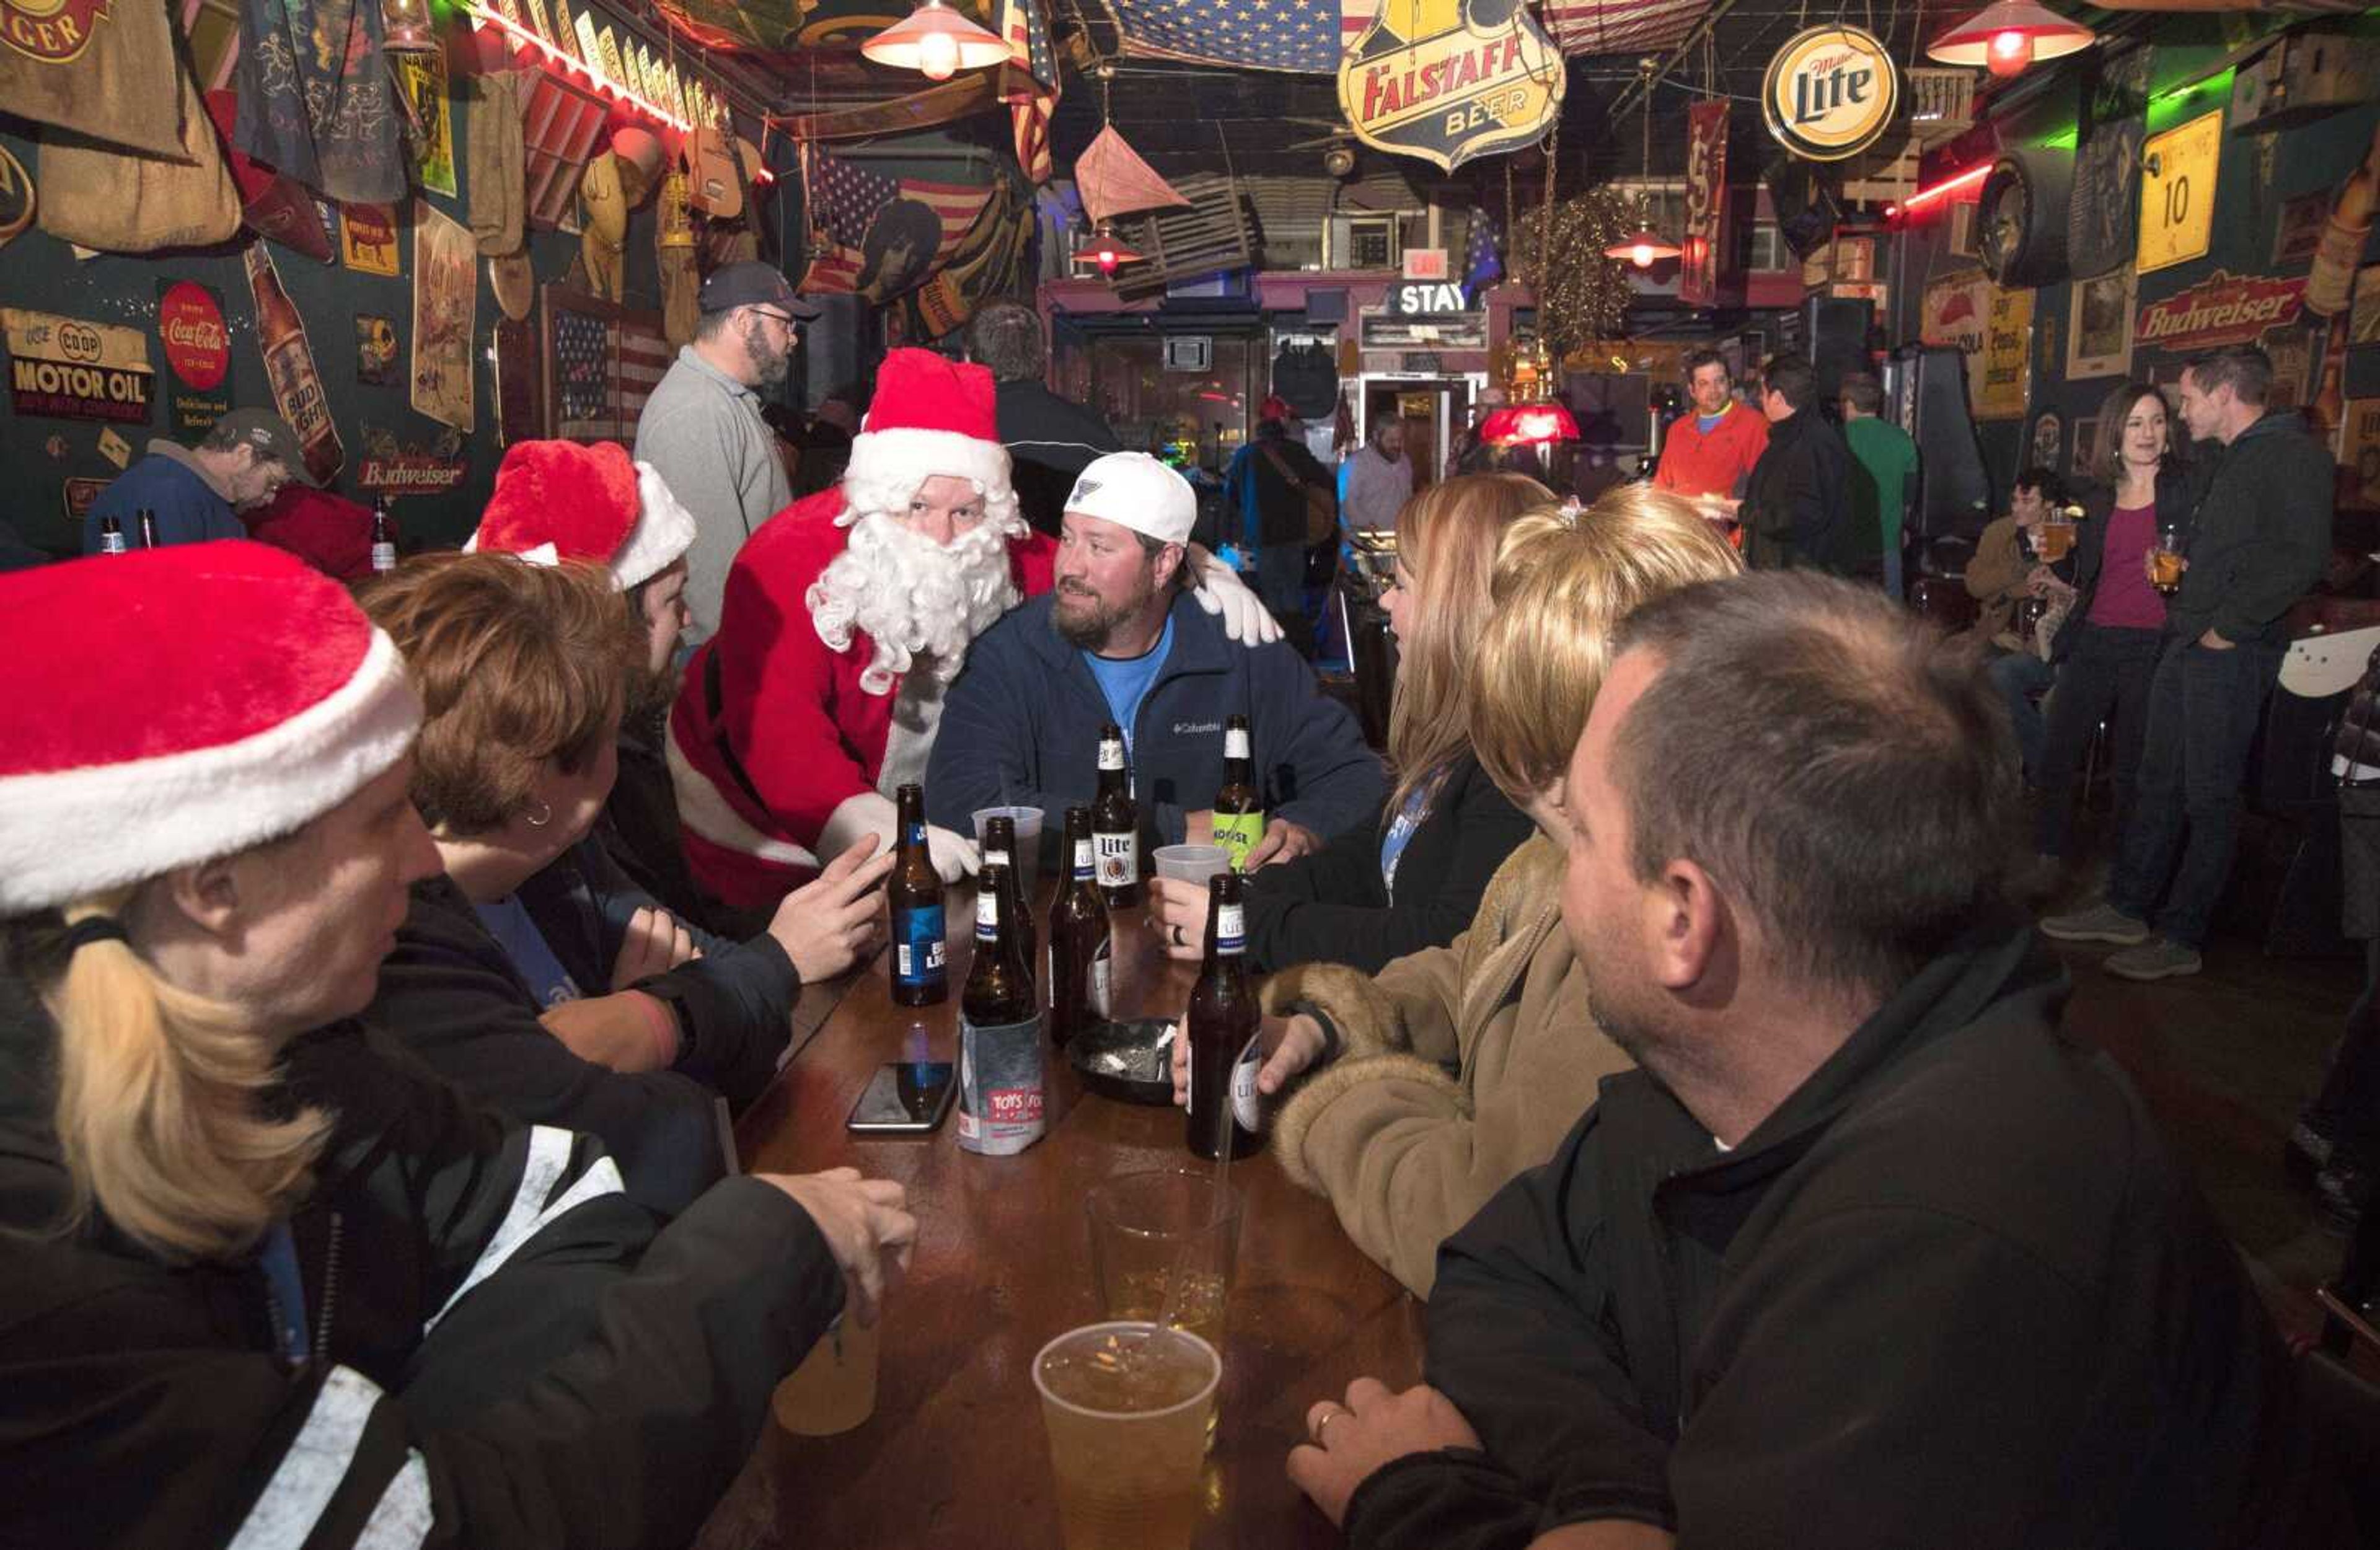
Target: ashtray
1130, 1060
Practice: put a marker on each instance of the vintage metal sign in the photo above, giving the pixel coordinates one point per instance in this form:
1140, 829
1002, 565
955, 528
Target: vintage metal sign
1830, 91
1706, 202
16, 197
1428, 80
2219, 310
198, 354
67, 368
53, 31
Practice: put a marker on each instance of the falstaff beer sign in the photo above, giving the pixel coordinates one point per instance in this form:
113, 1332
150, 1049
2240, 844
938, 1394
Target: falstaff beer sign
2219, 310
1830, 91
70, 369
1430, 78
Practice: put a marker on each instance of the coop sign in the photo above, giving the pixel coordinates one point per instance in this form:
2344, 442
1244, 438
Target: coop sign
1428, 80
1829, 93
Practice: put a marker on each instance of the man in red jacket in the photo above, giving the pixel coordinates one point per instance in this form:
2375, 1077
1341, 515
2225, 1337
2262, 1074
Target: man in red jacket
847, 616
1709, 453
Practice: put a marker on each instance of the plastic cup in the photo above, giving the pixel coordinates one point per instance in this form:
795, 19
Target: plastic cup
1028, 842
1191, 864
1151, 1226
1127, 1405
834, 1388
2054, 539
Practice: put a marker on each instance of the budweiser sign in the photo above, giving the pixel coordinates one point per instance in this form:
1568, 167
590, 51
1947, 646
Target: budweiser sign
2219, 310
410, 474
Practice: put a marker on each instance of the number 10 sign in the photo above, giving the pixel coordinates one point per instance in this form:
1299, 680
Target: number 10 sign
2177, 170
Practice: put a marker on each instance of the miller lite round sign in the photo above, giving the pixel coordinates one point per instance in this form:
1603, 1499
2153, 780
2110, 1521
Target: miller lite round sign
1831, 92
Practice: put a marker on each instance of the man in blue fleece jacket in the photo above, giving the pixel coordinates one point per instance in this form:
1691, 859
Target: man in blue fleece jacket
1119, 641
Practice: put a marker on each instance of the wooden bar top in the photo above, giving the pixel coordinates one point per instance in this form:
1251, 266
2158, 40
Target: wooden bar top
955, 1454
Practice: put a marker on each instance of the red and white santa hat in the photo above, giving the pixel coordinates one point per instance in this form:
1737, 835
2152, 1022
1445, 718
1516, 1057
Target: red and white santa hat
175, 704
558, 501
931, 415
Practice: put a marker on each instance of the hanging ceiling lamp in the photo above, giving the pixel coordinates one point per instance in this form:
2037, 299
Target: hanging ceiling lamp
1106, 250
937, 42
2007, 35
407, 27
1644, 247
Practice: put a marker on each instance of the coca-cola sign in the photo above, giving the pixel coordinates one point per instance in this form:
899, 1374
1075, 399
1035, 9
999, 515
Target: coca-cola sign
198, 355
2220, 310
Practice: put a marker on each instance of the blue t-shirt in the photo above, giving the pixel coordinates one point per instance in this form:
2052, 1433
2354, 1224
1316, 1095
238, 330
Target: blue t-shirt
1125, 680
1704, 422
508, 921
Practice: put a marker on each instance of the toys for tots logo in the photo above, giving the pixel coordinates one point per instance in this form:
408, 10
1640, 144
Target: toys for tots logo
198, 346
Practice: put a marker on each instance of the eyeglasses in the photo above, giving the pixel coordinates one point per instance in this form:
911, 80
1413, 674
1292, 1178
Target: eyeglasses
780, 317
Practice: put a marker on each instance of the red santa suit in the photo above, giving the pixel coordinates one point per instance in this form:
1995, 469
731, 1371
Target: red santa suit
785, 746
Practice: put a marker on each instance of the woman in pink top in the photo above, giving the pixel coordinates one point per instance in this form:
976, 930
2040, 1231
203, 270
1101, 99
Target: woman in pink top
2107, 649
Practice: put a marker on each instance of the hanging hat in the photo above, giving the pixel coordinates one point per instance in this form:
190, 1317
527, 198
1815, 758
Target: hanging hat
175, 704
1134, 490
931, 415
557, 501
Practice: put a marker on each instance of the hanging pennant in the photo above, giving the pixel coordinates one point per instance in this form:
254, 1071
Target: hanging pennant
1704, 236
1114, 181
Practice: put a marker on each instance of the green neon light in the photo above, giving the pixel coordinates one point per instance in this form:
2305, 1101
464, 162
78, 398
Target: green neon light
2171, 97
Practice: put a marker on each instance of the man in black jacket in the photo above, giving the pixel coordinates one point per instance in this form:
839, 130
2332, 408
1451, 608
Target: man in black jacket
1050, 439
1867, 1253
1796, 511
2257, 542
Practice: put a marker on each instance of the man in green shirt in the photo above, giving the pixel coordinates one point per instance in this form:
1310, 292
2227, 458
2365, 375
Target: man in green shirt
1886, 462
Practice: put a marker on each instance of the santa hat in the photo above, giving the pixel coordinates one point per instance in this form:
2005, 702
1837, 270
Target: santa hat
930, 416
179, 704
557, 501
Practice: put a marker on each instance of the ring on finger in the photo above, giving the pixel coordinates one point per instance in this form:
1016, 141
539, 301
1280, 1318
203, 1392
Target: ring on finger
1177, 935
1323, 1425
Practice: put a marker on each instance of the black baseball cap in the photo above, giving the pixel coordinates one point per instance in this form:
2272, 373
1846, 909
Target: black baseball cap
271, 436
752, 284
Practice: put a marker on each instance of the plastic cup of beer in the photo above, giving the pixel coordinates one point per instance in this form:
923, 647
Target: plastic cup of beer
834, 1388
1192, 863
1028, 842
2165, 561
1164, 1242
2053, 539
1127, 1405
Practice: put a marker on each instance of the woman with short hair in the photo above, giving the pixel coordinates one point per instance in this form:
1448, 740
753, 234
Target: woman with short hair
1416, 1093
533, 973
1445, 827
263, 1280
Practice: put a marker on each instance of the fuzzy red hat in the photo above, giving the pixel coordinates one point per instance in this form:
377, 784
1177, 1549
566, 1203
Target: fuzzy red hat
177, 704
557, 501
932, 415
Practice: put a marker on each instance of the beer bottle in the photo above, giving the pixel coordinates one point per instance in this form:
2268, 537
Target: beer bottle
1002, 1074
2330, 282
1239, 807
1223, 1020
1082, 947
914, 895
111, 535
1000, 844
383, 543
148, 520
289, 367
1115, 824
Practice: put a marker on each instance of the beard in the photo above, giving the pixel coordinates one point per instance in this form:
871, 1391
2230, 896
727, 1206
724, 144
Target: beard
1092, 622
913, 598
772, 364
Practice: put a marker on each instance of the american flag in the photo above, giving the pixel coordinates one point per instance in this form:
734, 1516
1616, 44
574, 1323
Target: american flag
1482, 265
1298, 35
1033, 85
849, 198
603, 371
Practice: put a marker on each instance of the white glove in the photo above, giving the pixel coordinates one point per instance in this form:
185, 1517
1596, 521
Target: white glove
872, 812
1246, 620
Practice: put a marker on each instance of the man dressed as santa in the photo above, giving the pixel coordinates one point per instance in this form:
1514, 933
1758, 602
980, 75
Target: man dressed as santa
845, 618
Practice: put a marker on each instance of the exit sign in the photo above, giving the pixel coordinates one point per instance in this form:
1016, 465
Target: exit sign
1425, 263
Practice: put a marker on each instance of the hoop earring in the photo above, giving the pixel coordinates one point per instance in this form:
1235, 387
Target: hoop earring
543, 816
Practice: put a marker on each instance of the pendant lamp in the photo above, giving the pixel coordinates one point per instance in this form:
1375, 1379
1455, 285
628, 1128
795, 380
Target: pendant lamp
2007, 35
1106, 250
1644, 247
407, 27
937, 42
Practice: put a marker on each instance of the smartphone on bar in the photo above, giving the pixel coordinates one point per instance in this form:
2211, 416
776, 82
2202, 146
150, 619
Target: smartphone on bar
905, 1098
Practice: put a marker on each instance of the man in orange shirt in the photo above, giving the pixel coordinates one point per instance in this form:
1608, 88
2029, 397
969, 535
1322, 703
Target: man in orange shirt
1709, 453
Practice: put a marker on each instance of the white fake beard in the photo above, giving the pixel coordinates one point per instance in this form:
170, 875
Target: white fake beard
913, 598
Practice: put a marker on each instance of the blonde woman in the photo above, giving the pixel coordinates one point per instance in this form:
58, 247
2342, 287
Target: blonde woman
1412, 877
263, 1278
1416, 1094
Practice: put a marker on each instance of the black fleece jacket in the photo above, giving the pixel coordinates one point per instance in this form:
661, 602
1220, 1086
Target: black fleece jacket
1952, 1292
2260, 532
1330, 907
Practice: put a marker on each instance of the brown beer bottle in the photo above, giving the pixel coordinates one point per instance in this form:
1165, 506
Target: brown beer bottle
1115, 824
1082, 948
1239, 807
289, 367
1223, 1024
914, 892
1002, 1072
1000, 846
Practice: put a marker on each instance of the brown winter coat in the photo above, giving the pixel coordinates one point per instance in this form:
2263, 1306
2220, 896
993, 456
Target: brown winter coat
1405, 1151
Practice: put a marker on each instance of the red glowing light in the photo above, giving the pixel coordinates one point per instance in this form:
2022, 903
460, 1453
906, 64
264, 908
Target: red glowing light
1958, 183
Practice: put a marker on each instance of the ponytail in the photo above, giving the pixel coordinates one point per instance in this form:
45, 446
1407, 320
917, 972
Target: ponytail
162, 1112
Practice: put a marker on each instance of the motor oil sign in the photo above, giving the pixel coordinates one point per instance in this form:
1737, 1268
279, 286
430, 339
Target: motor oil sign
1830, 91
67, 369
1435, 78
